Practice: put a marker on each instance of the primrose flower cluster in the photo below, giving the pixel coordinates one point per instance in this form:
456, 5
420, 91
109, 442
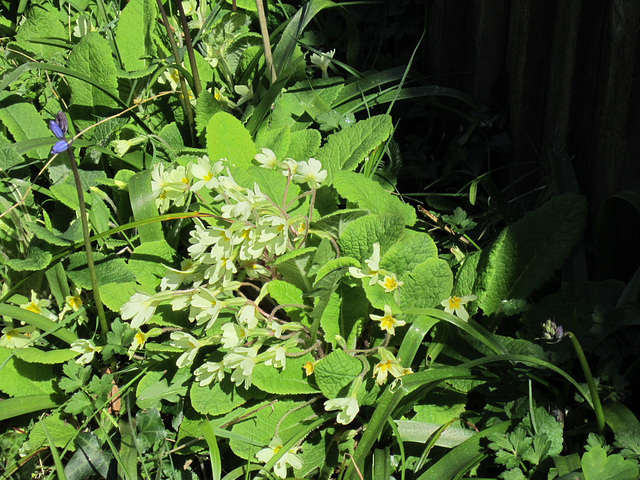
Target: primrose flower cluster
226, 258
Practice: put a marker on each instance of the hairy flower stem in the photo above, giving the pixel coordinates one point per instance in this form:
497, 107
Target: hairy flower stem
186, 104
104, 327
189, 44
593, 390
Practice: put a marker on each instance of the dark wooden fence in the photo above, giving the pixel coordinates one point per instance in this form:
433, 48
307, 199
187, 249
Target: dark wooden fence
571, 71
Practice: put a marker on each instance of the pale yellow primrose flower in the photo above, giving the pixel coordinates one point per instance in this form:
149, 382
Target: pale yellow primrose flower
388, 322
310, 172
455, 305
348, 407
86, 348
280, 467
388, 364
17, 337
267, 159
189, 344
390, 282
373, 267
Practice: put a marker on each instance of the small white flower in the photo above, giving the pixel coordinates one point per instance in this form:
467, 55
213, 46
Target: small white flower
86, 348
267, 159
323, 61
242, 360
348, 408
189, 344
245, 92
205, 174
208, 372
233, 335
140, 308
280, 467
17, 337
456, 305
310, 172
373, 267
387, 321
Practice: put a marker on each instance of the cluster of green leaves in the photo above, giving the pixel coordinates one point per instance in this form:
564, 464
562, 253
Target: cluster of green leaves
112, 411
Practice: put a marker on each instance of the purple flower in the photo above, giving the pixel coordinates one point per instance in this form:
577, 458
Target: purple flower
59, 127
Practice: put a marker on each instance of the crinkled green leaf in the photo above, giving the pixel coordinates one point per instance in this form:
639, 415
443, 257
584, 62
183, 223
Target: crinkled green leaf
294, 267
149, 263
285, 293
405, 255
277, 140
291, 380
206, 107
335, 264
427, 285
42, 24
38, 256
218, 398
330, 319
358, 237
304, 144
134, 33
526, 254
150, 396
109, 269
336, 371
116, 294
370, 195
335, 223
44, 234
92, 57
345, 149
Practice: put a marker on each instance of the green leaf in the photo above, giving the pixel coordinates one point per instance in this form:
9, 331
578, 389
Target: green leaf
227, 138
261, 426
345, 149
143, 204
9, 157
92, 57
304, 144
20, 378
38, 321
14, 407
42, 24
335, 223
527, 253
109, 269
218, 398
335, 264
116, 294
61, 431
294, 267
285, 293
336, 371
151, 392
44, 234
38, 257
370, 195
134, 33
36, 355
596, 465
24, 123
359, 236
405, 255
206, 107
271, 183
277, 140
421, 432
149, 263
427, 285
88, 459
150, 428
291, 380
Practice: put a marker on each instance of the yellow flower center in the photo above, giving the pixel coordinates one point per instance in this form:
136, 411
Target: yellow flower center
140, 338
74, 302
208, 177
387, 322
32, 307
455, 302
390, 283
308, 368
